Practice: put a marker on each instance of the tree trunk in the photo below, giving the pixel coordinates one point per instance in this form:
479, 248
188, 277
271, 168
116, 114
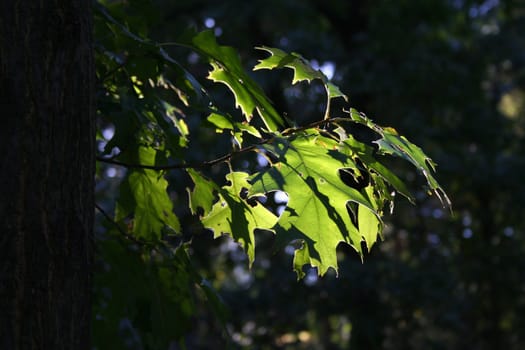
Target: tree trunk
47, 174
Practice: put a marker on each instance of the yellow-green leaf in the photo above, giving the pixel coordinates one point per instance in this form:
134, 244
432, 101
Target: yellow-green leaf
227, 69
235, 217
303, 71
308, 171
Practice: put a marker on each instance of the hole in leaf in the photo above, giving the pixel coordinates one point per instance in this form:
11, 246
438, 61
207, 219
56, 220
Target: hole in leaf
352, 211
364, 134
280, 197
353, 179
276, 202
244, 193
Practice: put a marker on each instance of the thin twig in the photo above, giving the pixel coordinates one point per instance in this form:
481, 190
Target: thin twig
226, 157
180, 166
316, 124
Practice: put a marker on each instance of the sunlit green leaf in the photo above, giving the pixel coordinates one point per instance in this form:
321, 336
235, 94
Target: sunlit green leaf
362, 151
303, 71
308, 171
234, 216
394, 144
226, 122
369, 223
227, 69
174, 115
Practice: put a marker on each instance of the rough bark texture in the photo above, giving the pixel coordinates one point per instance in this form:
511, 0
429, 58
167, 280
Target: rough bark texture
47, 174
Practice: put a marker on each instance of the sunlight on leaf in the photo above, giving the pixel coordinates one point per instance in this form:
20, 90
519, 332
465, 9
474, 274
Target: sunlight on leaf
303, 71
233, 216
227, 69
226, 122
308, 171
394, 144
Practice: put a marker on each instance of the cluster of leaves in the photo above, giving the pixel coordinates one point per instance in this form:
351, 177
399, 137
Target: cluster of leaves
336, 184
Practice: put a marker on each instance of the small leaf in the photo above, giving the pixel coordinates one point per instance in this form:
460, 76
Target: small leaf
303, 71
227, 69
226, 122
333, 91
233, 216
175, 131
394, 144
353, 147
202, 195
243, 98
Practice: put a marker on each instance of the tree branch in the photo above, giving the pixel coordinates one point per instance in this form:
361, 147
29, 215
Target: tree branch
181, 166
226, 157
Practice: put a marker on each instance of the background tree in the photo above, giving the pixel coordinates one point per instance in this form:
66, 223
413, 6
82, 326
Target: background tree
47, 180
448, 74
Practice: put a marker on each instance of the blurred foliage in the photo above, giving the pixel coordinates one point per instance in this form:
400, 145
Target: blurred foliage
449, 74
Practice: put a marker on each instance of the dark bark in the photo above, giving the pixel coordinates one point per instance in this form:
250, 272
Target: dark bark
47, 174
